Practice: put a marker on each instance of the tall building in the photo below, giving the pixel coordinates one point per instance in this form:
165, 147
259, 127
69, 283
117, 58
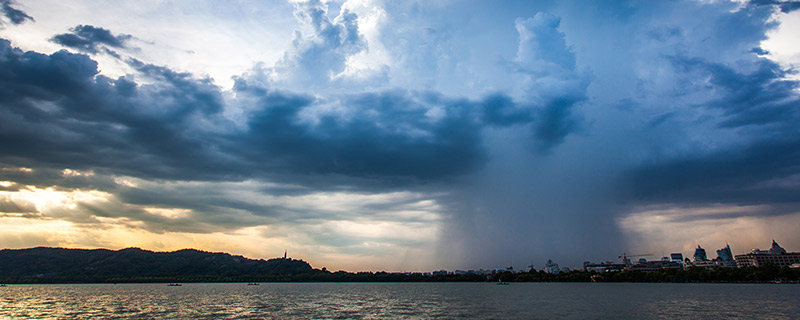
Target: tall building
776, 249
775, 255
700, 254
551, 267
725, 254
676, 257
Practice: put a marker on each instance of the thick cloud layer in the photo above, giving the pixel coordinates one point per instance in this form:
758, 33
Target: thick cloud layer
55, 105
368, 134
762, 103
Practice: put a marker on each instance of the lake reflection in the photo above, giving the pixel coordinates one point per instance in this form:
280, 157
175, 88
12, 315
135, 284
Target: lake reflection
400, 300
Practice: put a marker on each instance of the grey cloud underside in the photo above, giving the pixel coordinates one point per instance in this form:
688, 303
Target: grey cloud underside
763, 97
16, 16
58, 112
738, 177
9, 206
764, 171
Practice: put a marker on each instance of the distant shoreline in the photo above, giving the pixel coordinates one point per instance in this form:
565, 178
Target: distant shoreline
44, 265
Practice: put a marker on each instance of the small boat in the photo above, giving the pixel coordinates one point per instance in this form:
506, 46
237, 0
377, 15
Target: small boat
174, 285
502, 283
253, 284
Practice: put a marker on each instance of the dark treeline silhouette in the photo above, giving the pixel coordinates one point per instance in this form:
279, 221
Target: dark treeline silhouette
767, 273
58, 265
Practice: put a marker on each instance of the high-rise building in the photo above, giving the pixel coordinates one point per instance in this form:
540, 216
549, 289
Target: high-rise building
776, 249
676, 257
700, 254
725, 254
551, 267
775, 255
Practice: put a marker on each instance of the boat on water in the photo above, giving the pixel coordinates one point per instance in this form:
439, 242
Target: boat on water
502, 283
174, 285
253, 284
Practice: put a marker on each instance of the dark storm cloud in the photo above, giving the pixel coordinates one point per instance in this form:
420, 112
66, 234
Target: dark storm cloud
15, 15
762, 97
90, 39
500, 110
387, 135
59, 113
762, 171
740, 176
555, 122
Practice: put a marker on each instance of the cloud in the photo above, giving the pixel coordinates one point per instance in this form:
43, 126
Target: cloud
59, 112
379, 134
15, 207
550, 79
318, 59
501, 110
759, 104
763, 97
481, 157
785, 6
739, 176
15, 15
90, 39
177, 126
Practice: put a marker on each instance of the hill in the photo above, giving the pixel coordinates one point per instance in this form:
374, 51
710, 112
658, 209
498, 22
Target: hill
54, 265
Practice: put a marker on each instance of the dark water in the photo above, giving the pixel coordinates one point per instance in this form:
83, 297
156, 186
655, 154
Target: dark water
401, 300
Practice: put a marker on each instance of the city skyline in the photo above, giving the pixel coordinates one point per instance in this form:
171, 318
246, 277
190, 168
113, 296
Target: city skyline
419, 135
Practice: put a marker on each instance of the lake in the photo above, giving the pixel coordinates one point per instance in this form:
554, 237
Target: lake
400, 301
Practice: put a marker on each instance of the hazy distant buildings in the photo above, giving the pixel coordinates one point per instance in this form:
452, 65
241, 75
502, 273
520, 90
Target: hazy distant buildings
775, 255
700, 254
724, 259
654, 265
551, 267
676, 257
607, 266
725, 254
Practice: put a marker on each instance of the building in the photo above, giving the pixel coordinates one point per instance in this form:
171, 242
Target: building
725, 254
676, 257
700, 254
724, 259
775, 255
607, 266
654, 265
551, 267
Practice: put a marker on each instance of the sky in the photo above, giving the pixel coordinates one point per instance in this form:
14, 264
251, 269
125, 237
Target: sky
401, 135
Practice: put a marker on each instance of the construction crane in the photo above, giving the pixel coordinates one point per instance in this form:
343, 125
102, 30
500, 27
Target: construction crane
625, 256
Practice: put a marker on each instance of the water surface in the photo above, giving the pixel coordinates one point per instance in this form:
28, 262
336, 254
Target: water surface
400, 301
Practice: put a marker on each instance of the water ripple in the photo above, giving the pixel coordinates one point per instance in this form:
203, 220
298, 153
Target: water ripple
400, 301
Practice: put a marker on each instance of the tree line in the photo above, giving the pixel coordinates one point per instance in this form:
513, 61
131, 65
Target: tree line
58, 265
